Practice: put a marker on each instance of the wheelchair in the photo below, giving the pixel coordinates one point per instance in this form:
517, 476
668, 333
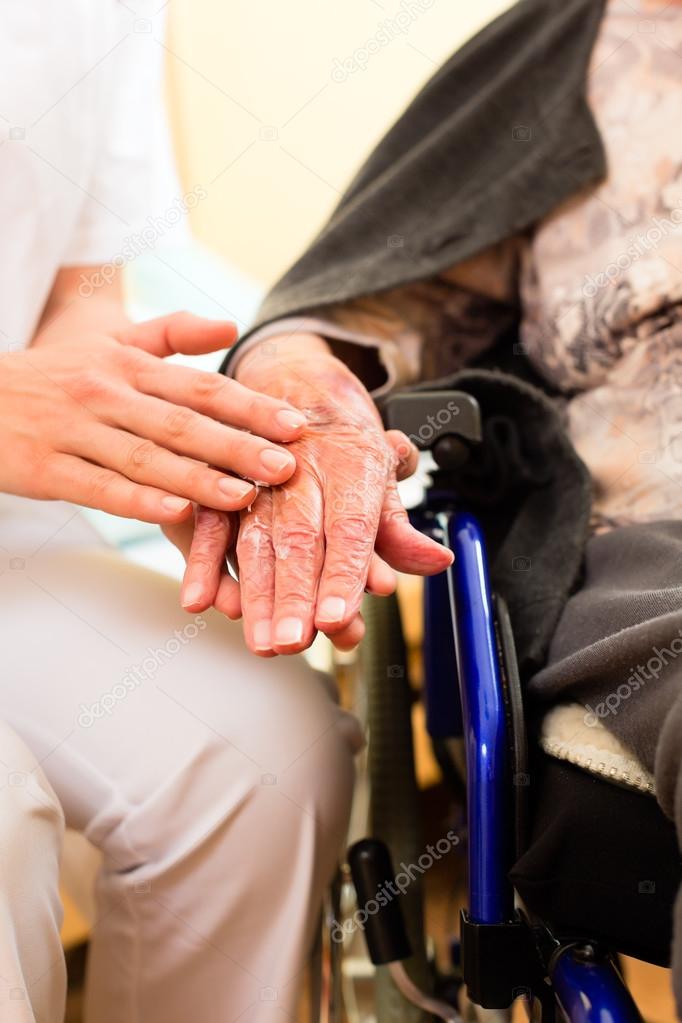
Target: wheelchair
565, 870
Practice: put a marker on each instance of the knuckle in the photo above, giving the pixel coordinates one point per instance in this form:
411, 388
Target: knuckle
394, 513
178, 422
206, 385
100, 484
141, 453
196, 478
203, 561
38, 464
299, 541
88, 385
347, 579
181, 317
211, 528
293, 596
132, 358
356, 530
254, 540
252, 404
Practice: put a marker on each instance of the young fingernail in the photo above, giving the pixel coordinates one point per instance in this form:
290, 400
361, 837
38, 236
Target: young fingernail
291, 420
288, 631
192, 594
238, 489
262, 631
275, 461
175, 504
331, 609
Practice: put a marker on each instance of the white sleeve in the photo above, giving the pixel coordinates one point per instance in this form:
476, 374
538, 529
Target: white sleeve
133, 201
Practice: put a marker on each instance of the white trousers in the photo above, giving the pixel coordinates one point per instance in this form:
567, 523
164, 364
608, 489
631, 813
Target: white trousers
216, 785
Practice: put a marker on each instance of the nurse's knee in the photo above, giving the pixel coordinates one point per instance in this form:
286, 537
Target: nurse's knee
307, 743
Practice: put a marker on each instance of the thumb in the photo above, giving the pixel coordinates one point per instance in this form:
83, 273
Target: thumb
404, 547
179, 332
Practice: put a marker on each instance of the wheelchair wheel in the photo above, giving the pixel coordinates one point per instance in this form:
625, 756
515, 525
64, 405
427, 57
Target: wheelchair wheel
394, 802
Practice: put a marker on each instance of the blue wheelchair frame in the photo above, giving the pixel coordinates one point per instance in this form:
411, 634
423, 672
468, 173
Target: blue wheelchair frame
460, 633
472, 691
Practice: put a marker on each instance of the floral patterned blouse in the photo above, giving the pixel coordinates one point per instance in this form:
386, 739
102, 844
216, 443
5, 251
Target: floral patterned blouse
597, 285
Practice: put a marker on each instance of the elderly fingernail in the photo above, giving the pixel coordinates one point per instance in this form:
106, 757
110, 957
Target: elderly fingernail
290, 420
237, 489
275, 461
192, 594
288, 631
331, 609
262, 632
175, 504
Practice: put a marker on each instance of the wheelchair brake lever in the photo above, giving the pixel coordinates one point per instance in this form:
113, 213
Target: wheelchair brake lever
446, 423
384, 928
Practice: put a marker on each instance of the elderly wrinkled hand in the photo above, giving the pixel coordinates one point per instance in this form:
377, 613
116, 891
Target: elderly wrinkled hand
307, 550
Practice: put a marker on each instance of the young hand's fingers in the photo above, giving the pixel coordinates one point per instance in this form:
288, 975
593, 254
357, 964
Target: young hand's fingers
404, 547
189, 433
180, 332
298, 542
143, 461
206, 560
220, 398
256, 559
381, 579
407, 456
68, 478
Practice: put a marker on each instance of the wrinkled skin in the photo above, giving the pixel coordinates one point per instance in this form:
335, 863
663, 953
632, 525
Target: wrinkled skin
307, 549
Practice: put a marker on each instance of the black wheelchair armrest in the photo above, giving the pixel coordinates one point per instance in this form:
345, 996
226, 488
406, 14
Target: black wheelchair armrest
447, 423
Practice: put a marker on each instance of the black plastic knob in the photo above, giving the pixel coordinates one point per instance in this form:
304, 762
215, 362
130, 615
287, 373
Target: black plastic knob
379, 913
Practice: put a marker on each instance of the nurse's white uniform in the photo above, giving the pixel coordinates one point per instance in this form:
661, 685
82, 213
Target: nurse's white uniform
216, 785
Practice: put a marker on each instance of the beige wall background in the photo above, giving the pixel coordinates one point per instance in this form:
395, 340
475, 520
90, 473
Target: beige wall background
275, 103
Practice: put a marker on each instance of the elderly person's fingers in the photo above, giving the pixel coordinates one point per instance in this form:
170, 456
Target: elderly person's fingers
354, 496
298, 542
256, 559
407, 456
348, 638
204, 541
404, 547
206, 564
381, 579
228, 598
